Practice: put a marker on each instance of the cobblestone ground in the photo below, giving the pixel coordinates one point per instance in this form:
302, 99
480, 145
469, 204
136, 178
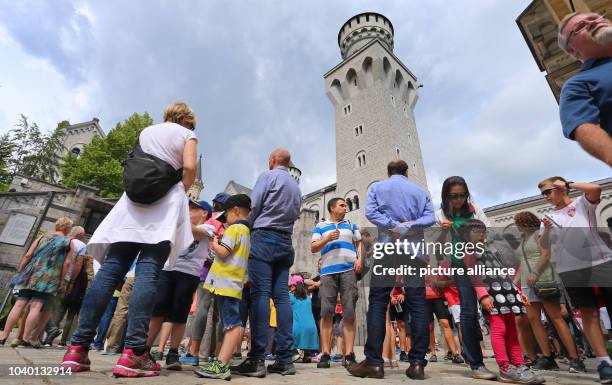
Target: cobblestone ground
307, 374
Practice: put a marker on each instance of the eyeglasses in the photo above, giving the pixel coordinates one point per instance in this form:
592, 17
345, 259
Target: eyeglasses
582, 25
547, 192
457, 196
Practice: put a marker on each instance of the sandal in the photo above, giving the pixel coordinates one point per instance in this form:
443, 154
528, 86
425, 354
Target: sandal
433, 358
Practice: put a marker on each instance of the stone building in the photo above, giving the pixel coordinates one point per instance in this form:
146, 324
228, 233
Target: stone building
539, 23
76, 136
198, 185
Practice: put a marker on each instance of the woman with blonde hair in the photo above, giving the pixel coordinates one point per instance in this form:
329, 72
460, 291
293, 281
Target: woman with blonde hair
154, 232
536, 267
40, 277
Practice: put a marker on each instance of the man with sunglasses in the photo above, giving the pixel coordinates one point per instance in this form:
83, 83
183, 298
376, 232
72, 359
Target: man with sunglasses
586, 98
581, 258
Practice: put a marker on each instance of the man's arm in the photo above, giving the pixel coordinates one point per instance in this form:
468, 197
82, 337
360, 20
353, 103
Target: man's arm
202, 231
591, 191
596, 141
257, 197
375, 215
317, 245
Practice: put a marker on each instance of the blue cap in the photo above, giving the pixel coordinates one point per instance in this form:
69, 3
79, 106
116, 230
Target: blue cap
204, 206
221, 198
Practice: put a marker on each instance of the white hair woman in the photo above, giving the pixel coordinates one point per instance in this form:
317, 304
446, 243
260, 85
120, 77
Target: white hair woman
154, 232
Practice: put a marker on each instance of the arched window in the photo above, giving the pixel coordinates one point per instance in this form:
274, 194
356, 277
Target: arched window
76, 152
356, 202
361, 158
349, 204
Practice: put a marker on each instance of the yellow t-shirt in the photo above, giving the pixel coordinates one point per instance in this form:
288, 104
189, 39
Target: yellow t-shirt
227, 275
272, 314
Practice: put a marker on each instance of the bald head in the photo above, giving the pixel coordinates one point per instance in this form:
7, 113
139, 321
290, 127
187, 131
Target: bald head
397, 167
279, 157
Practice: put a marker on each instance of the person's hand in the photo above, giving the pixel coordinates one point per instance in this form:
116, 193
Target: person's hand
446, 225
564, 312
559, 185
487, 303
532, 278
357, 265
548, 225
525, 299
400, 298
332, 236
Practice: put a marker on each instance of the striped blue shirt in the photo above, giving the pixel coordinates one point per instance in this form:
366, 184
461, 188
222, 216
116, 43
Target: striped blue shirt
338, 255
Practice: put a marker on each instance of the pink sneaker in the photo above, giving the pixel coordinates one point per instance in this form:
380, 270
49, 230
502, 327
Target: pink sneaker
76, 359
131, 365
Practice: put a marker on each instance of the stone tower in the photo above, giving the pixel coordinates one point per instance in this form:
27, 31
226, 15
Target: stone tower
373, 94
76, 136
198, 185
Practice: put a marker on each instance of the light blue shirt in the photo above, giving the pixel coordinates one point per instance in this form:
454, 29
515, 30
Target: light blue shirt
396, 200
275, 201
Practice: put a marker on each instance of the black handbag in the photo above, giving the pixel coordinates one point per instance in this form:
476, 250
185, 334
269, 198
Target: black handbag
147, 178
548, 289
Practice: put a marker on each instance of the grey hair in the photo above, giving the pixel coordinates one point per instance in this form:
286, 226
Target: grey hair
562, 39
77, 230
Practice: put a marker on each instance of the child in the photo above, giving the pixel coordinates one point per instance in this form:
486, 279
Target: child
226, 280
501, 300
305, 335
176, 286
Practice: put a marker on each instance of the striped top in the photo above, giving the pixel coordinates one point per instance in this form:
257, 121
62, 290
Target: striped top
338, 255
227, 275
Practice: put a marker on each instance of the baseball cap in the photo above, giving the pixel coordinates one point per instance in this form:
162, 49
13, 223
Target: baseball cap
221, 198
203, 205
238, 200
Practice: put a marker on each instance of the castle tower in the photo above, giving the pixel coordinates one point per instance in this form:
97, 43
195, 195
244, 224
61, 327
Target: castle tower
295, 172
76, 136
373, 94
198, 185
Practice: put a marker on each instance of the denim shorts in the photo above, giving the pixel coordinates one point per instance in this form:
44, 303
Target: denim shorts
229, 311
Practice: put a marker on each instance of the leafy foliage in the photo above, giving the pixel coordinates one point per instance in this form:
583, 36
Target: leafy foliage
100, 163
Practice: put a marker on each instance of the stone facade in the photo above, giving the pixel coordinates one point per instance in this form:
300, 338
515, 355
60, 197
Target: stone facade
78, 135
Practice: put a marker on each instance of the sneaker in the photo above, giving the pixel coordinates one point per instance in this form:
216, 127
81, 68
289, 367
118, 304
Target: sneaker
349, 360
190, 360
433, 358
132, 365
250, 368
51, 336
324, 361
214, 369
448, 356
270, 357
576, 366
545, 363
2, 342
457, 359
526, 376
336, 358
173, 361
76, 359
283, 369
605, 372
107, 353
17, 342
237, 356
62, 344
482, 373
34, 344
157, 356
403, 357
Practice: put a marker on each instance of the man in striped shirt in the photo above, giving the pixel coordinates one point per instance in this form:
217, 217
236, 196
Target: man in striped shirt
337, 240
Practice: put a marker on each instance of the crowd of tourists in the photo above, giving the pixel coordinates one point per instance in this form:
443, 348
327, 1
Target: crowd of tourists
165, 279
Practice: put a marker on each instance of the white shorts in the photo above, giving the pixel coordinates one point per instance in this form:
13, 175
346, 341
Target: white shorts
455, 311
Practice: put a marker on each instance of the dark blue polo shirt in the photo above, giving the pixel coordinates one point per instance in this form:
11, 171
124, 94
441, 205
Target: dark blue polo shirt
587, 97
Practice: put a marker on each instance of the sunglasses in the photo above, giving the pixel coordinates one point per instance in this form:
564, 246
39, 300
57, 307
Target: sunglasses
457, 196
582, 25
547, 192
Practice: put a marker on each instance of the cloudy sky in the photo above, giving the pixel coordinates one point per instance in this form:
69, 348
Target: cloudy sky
252, 71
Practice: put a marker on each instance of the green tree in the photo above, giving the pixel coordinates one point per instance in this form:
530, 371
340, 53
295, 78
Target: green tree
6, 151
33, 153
100, 163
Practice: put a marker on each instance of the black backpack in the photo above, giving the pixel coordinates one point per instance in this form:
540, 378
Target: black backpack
146, 178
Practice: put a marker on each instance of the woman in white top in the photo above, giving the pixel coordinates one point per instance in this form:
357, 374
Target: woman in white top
154, 232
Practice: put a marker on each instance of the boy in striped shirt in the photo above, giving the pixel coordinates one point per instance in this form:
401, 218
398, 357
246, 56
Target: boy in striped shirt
338, 241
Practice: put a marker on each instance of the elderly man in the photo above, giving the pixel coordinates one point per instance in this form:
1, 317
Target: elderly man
586, 98
276, 201
400, 210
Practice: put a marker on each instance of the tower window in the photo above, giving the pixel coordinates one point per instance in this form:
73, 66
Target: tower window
347, 110
356, 202
393, 100
76, 152
359, 130
349, 204
397, 153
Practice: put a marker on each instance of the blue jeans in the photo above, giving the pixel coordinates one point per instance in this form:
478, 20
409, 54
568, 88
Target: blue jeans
107, 317
270, 259
469, 321
414, 314
118, 261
